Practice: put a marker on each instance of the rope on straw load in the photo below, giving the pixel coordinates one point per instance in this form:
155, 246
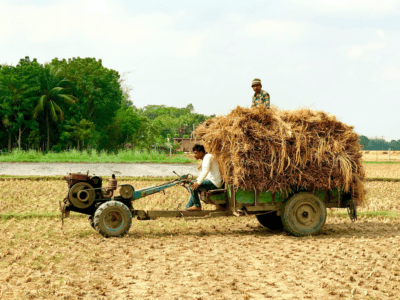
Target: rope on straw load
285, 151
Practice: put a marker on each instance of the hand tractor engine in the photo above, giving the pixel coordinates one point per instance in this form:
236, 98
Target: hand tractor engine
85, 189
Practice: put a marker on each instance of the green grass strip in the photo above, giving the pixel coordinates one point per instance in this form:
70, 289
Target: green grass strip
382, 179
92, 156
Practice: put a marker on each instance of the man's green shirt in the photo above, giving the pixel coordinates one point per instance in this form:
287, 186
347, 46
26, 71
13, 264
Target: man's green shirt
261, 98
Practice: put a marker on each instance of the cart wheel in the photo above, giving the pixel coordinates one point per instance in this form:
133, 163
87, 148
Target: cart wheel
91, 222
112, 219
304, 214
271, 221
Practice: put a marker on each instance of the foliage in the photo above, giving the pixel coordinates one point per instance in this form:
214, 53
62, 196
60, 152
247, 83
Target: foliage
130, 122
18, 86
97, 88
79, 103
146, 135
53, 94
378, 144
174, 120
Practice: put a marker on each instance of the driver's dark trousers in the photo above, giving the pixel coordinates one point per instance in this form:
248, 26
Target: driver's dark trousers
206, 185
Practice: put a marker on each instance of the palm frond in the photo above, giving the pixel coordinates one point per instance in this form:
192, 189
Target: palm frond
52, 69
61, 81
69, 99
31, 98
58, 72
57, 108
56, 90
39, 107
53, 111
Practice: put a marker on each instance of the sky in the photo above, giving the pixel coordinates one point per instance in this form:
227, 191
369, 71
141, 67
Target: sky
338, 56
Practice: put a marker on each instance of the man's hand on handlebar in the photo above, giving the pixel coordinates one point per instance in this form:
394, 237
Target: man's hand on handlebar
194, 186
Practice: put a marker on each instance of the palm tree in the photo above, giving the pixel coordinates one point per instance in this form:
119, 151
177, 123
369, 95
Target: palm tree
53, 94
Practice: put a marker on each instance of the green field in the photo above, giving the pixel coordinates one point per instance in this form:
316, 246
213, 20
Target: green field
91, 156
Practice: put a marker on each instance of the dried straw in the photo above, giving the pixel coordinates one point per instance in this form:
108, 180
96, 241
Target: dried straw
286, 151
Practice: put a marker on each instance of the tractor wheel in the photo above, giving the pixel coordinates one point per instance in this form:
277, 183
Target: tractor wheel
112, 219
304, 214
91, 222
271, 221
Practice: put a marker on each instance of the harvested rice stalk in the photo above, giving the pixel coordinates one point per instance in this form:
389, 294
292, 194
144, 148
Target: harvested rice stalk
281, 150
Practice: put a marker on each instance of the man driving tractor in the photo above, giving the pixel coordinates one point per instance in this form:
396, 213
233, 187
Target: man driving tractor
209, 179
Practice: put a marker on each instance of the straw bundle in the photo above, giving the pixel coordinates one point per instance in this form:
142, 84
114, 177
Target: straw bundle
279, 150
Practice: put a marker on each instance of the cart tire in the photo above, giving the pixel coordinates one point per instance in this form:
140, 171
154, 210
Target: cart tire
303, 214
91, 222
270, 221
112, 219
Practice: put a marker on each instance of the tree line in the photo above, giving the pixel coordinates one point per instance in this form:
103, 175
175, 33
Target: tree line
78, 103
378, 144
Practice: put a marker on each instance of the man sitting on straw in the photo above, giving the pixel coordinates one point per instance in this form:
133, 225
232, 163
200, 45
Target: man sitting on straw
209, 179
260, 96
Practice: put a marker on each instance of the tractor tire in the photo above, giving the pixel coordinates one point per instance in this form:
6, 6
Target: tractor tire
304, 214
270, 221
91, 222
112, 219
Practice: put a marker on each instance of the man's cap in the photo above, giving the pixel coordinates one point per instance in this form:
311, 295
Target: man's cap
255, 81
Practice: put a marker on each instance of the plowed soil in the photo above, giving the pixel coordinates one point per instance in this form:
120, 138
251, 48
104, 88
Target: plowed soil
222, 258
226, 258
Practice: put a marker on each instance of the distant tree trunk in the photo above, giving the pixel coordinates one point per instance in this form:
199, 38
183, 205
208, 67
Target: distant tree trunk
9, 141
19, 137
48, 131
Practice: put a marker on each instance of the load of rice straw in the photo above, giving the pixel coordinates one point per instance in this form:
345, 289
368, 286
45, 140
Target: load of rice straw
285, 151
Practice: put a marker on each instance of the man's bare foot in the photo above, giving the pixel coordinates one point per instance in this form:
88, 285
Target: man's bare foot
194, 208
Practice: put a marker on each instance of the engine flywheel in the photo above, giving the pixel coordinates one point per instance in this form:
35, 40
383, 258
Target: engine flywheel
81, 195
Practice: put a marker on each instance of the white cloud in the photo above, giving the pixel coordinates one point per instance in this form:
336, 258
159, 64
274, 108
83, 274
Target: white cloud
366, 8
391, 73
99, 20
381, 33
190, 46
97, 6
294, 69
365, 5
281, 30
357, 50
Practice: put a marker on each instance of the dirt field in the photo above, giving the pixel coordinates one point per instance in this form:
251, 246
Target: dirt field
382, 170
230, 258
223, 258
